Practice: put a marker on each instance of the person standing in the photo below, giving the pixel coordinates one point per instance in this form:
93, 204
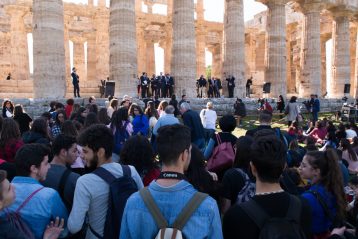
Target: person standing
315, 107
230, 85
76, 83
202, 86
208, 119
248, 85
280, 104
162, 85
144, 81
170, 85
292, 110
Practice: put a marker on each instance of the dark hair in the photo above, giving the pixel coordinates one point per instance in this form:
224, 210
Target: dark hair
265, 116
10, 131
268, 155
227, 123
18, 110
92, 108
330, 175
90, 119
3, 176
70, 101
173, 97
97, 136
103, 117
172, 140
91, 98
28, 155
135, 107
57, 120
354, 180
151, 111
52, 104
137, 151
118, 116
196, 174
114, 103
293, 99
68, 128
62, 142
242, 156
40, 126
59, 105
1, 122
46, 115
346, 145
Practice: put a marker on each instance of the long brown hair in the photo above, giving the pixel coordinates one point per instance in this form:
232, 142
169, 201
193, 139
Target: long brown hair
10, 131
330, 175
346, 145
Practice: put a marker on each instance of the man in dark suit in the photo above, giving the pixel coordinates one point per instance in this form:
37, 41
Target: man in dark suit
170, 85
230, 85
144, 82
75, 82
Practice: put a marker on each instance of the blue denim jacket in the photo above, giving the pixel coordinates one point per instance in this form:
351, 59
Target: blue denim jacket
44, 206
138, 223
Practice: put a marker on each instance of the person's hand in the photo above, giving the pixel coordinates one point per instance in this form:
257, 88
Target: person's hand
213, 175
54, 229
338, 231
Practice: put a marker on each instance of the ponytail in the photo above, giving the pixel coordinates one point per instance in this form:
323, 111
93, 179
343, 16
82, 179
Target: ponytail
330, 176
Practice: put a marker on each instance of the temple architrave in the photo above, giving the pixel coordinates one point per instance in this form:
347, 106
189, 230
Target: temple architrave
285, 46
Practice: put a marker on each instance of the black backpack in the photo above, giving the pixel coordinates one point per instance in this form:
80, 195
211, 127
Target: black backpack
120, 189
287, 227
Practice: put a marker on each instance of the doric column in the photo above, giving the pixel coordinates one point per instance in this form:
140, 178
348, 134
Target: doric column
355, 85
183, 63
324, 65
49, 52
91, 57
276, 70
310, 82
123, 47
19, 49
200, 53
79, 58
341, 69
102, 43
150, 58
216, 67
67, 49
234, 45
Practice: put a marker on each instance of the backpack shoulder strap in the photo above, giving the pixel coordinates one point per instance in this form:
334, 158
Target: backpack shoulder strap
294, 209
153, 208
218, 139
126, 170
63, 181
28, 199
189, 209
323, 204
255, 212
104, 174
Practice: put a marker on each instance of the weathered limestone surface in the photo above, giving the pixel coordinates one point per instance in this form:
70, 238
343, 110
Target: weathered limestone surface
49, 51
234, 44
340, 57
123, 47
183, 61
276, 57
311, 50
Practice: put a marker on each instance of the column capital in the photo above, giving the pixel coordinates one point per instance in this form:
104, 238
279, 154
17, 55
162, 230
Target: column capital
313, 6
78, 39
273, 2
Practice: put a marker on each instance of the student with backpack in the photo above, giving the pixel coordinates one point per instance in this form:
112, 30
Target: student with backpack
9, 230
171, 204
326, 195
59, 176
35, 206
96, 192
271, 213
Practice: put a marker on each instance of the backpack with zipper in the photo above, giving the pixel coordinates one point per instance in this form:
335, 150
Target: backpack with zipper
249, 189
174, 231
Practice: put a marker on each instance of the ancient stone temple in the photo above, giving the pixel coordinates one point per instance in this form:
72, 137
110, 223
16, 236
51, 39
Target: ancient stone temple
285, 46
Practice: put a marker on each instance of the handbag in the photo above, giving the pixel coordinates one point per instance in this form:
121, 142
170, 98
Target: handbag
223, 156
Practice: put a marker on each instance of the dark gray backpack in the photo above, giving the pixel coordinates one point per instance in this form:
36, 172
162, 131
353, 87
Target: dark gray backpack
287, 227
249, 189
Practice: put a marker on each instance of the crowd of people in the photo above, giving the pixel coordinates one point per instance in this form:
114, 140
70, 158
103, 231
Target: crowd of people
166, 170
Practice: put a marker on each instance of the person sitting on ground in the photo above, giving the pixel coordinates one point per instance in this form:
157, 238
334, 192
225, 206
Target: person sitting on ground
59, 176
349, 155
45, 205
268, 160
22, 118
350, 132
138, 152
10, 140
92, 192
341, 132
240, 111
171, 193
329, 142
7, 229
318, 133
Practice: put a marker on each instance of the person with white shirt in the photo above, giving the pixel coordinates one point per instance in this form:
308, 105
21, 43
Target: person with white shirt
208, 118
